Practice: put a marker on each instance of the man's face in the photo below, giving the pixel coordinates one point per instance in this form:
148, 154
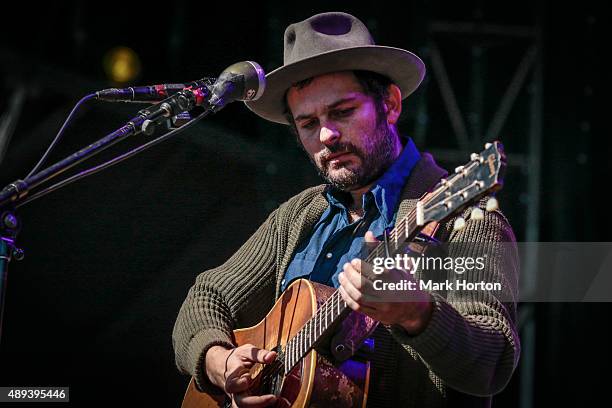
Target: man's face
341, 132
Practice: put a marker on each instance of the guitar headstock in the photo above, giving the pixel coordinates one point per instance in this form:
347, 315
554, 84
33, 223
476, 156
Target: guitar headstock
480, 176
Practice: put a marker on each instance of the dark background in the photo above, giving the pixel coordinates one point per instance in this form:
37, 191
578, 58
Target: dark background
109, 259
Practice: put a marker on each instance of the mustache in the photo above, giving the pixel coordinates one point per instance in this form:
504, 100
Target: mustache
338, 148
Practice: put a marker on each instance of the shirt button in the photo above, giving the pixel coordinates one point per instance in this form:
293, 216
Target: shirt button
283, 282
329, 255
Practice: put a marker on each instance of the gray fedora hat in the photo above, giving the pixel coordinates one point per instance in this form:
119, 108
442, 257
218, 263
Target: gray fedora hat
330, 42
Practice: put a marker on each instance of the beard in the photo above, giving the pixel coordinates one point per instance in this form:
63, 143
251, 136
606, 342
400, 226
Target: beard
376, 156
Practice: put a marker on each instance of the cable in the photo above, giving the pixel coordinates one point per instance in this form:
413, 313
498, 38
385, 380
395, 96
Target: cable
114, 161
60, 133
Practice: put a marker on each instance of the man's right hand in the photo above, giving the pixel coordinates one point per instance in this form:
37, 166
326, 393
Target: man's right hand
229, 370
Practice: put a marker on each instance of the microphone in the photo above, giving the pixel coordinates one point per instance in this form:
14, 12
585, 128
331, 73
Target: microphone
148, 93
242, 81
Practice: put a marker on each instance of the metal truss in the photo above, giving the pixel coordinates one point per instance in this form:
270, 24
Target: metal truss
471, 134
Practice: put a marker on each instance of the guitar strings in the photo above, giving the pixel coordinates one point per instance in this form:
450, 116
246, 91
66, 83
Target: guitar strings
274, 369
408, 224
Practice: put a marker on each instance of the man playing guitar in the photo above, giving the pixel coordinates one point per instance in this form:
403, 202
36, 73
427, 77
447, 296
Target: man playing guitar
342, 97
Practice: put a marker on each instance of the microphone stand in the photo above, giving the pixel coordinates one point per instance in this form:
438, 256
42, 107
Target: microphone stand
16, 192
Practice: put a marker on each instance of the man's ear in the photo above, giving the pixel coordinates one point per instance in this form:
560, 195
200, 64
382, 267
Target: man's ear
393, 104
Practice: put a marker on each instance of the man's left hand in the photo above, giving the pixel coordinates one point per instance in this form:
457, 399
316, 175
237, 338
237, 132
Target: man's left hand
359, 294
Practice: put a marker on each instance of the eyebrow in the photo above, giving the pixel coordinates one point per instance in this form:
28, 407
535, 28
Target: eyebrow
328, 107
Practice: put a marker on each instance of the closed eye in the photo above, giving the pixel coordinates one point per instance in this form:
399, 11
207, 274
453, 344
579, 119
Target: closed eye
344, 112
309, 125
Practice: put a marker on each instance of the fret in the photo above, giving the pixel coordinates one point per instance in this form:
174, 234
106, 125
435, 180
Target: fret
299, 339
320, 317
312, 329
287, 356
296, 350
325, 312
286, 363
321, 321
289, 351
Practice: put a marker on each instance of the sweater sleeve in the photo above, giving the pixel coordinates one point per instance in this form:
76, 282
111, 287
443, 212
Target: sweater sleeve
216, 304
471, 341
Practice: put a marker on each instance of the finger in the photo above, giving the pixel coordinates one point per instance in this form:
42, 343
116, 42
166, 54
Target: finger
254, 401
349, 288
238, 384
364, 269
254, 354
264, 356
370, 237
347, 299
364, 295
358, 307
356, 263
270, 357
360, 279
352, 274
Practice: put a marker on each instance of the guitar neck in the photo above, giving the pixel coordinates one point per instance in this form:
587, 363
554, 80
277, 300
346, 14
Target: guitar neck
479, 176
334, 309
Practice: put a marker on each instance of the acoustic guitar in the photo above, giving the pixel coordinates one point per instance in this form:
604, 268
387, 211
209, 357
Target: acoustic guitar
306, 316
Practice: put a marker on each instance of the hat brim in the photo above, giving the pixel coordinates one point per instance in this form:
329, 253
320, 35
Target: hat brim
404, 68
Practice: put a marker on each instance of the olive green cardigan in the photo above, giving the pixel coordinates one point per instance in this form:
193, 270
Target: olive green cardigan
467, 352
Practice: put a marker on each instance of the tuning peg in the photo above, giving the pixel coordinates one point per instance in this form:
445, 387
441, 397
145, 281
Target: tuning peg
488, 145
459, 224
474, 156
459, 169
492, 204
476, 214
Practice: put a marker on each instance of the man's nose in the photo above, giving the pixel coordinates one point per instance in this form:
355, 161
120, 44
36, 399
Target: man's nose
329, 135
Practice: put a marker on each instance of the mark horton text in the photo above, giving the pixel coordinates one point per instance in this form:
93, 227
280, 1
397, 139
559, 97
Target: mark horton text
411, 264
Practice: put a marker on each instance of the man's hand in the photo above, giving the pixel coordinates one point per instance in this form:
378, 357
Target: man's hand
359, 294
229, 370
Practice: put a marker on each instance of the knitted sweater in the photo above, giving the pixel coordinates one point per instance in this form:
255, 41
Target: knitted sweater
467, 352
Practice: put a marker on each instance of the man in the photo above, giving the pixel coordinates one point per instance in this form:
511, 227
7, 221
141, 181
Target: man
341, 94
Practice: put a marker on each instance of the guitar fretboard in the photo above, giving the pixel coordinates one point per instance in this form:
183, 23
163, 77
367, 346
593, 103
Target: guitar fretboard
334, 308
474, 179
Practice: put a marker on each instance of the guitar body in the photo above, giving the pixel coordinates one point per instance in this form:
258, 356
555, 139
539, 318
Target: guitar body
314, 381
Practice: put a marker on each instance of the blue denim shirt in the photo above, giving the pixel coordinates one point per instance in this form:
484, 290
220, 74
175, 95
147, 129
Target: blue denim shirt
335, 240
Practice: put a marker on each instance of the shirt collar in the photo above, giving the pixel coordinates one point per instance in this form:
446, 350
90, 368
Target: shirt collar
387, 189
